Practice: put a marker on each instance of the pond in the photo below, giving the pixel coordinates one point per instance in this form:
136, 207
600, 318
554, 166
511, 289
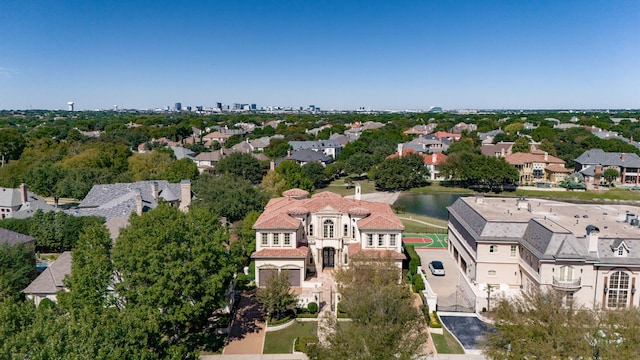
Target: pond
434, 205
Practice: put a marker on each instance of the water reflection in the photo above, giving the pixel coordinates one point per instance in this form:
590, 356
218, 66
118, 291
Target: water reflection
434, 205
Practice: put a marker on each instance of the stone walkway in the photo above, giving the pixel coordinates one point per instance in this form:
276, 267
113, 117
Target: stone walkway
248, 329
325, 314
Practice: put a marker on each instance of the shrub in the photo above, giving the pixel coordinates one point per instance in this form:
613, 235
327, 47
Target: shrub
418, 284
434, 320
414, 259
312, 307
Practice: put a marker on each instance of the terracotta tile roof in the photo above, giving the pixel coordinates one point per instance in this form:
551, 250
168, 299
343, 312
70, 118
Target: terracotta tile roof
356, 249
299, 252
522, 158
276, 214
557, 168
295, 193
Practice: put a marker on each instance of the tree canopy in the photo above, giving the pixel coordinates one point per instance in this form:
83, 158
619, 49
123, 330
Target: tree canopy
401, 173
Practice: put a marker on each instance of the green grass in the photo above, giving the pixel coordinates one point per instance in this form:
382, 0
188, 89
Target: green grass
590, 195
411, 226
281, 341
340, 187
446, 343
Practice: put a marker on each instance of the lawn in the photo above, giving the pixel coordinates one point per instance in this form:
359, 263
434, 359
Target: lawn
446, 343
281, 341
415, 223
341, 188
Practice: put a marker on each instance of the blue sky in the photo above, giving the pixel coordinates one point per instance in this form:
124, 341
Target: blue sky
334, 54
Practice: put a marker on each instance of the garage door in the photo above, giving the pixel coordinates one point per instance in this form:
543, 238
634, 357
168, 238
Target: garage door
293, 276
265, 275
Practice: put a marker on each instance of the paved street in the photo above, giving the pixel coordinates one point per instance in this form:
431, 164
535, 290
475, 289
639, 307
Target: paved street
249, 328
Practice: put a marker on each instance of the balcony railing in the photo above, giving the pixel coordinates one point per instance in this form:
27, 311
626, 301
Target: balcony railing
567, 285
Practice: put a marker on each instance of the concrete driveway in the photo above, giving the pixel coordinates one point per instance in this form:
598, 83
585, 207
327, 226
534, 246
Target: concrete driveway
450, 298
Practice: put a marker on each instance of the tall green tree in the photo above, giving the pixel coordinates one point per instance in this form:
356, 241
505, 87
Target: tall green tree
178, 272
11, 145
521, 145
317, 173
91, 272
401, 173
17, 268
227, 196
276, 298
46, 180
180, 170
611, 175
385, 324
294, 176
241, 165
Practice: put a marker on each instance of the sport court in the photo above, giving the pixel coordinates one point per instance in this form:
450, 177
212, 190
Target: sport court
426, 241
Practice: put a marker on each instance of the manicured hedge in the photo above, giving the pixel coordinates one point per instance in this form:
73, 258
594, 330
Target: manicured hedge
418, 284
312, 307
414, 259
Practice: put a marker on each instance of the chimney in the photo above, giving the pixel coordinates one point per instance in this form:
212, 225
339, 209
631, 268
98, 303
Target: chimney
622, 155
546, 156
502, 152
185, 195
358, 192
23, 193
592, 237
138, 203
288, 153
272, 165
154, 189
433, 158
400, 146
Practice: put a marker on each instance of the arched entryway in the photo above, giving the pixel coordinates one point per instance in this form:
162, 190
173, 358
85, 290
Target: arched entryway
328, 257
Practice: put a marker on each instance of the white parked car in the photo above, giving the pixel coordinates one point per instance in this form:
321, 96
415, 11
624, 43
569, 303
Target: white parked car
436, 268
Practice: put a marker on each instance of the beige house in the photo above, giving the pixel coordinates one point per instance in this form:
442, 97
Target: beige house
50, 282
308, 236
590, 252
538, 166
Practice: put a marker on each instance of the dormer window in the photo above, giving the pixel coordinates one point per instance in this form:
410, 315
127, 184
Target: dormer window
619, 248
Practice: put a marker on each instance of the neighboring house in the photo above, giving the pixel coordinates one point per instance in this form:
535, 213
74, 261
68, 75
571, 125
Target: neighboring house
116, 202
589, 252
427, 144
496, 150
341, 139
487, 138
303, 236
538, 167
421, 129
592, 164
50, 282
20, 203
356, 129
445, 135
330, 148
206, 161
14, 238
181, 152
431, 161
218, 136
306, 156
462, 126
315, 131
249, 146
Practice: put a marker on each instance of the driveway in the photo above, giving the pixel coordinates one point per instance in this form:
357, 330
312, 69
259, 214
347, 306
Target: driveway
249, 327
450, 298
467, 328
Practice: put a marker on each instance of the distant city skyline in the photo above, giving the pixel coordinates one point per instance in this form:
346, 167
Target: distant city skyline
341, 55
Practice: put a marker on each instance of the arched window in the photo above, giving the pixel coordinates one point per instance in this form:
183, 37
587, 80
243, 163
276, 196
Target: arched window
566, 273
327, 229
618, 292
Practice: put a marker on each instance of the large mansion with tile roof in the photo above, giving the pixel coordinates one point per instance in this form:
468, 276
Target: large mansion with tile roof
304, 235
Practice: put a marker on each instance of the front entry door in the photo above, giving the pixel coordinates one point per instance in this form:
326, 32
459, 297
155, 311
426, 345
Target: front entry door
327, 257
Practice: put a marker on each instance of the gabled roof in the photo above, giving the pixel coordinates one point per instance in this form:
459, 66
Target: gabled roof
600, 157
305, 156
524, 158
12, 237
12, 198
435, 158
50, 281
119, 200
